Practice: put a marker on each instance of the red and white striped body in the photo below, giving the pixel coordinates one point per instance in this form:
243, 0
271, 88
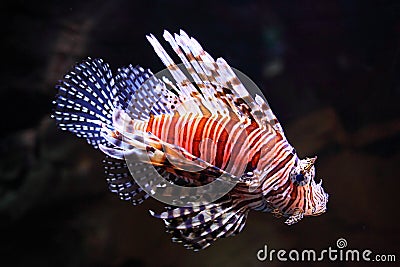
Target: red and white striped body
213, 123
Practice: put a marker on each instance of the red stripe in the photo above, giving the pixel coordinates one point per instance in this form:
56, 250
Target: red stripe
150, 124
198, 137
221, 142
293, 197
252, 164
186, 134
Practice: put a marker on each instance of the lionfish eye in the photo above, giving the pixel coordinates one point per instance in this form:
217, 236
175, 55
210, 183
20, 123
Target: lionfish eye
300, 177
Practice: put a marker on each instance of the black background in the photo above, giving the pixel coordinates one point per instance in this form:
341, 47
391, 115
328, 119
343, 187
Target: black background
329, 69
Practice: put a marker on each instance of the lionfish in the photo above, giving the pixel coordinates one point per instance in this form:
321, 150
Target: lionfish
157, 121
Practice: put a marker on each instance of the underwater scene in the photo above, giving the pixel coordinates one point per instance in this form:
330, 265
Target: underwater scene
212, 133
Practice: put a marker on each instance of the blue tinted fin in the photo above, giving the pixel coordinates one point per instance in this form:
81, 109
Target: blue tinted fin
85, 100
141, 94
120, 181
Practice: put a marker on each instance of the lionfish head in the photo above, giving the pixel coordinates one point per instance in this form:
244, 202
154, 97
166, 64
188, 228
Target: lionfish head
304, 172
304, 175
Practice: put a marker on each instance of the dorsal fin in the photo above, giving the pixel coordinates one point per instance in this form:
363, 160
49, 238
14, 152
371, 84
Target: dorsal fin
219, 72
221, 91
208, 95
268, 116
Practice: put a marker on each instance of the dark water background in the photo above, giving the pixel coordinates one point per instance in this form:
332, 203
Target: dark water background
330, 70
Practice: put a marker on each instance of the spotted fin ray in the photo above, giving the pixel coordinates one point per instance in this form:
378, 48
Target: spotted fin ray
198, 227
84, 103
142, 95
121, 182
221, 90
